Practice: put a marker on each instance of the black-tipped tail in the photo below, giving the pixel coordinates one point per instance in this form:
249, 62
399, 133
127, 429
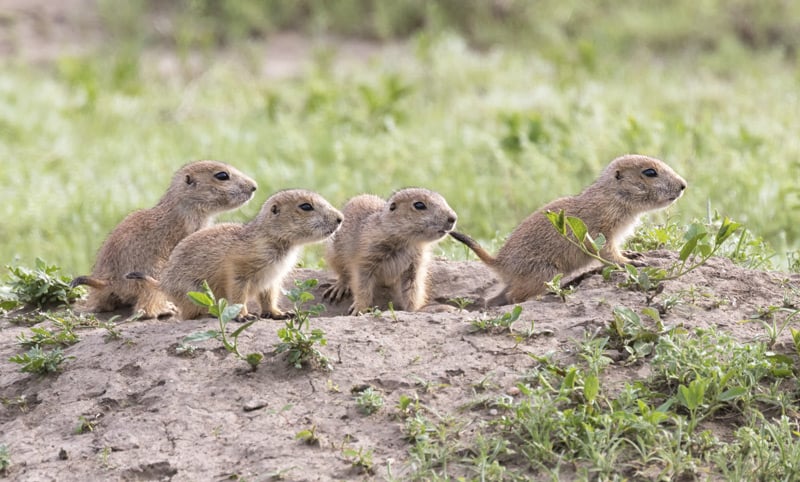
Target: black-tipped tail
139, 276
474, 246
88, 281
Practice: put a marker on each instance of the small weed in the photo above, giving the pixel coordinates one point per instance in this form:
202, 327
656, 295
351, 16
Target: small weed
497, 324
5, 459
39, 361
87, 425
224, 313
308, 436
63, 335
104, 455
461, 302
21, 403
112, 329
407, 406
696, 249
369, 401
185, 349
554, 287
360, 459
296, 339
42, 285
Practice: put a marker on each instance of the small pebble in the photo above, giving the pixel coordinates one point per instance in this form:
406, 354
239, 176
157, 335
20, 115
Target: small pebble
513, 391
492, 412
254, 405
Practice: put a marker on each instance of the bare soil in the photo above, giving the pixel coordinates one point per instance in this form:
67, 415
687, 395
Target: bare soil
164, 416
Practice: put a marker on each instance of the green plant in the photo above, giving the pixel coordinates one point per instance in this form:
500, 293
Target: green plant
369, 401
86, 425
5, 459
361, 459
39, 361
112, 329
461, 302
42, 285
296, 338
308, 436
220, 309
554, 287
64, 335
696, 249
497, 324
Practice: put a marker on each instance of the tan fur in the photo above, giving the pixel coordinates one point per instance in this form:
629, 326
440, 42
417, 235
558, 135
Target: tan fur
247, 262
387, 244
535, 252
144, 239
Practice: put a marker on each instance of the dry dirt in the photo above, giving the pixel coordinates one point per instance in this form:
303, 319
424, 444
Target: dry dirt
162, 416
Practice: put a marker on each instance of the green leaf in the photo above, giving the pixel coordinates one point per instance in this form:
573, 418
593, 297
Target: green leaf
245, 326
578, 228
230, 312
591, 388
201, 336
599, 242
558, 221
688, 248
726, 230
732, 394
253, 359
200, 299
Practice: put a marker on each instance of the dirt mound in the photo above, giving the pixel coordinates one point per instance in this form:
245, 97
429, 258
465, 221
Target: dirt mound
158, 415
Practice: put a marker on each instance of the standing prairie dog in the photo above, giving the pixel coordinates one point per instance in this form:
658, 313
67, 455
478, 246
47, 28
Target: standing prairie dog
144, 239
243, 262
535, 252
387, 244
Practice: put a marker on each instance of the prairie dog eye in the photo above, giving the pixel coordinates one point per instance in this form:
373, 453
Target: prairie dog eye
392, 207
222, 176
420, 206
650, 172
306, 207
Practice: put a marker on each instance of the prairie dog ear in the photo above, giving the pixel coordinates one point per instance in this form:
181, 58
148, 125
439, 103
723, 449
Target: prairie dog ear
275, 209
618, 176
189, 179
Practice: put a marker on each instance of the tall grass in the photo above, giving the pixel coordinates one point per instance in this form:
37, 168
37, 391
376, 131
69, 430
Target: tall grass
497, 131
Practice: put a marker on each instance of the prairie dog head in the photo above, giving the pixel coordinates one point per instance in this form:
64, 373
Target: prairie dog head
420, 214
642, 182
299, 216
211, 187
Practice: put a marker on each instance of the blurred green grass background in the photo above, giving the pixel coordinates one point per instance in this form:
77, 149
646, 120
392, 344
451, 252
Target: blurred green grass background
499, 105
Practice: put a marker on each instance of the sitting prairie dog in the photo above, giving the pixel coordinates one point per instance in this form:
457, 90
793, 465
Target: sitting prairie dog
144, 240
387, 244
535, 252
243, 262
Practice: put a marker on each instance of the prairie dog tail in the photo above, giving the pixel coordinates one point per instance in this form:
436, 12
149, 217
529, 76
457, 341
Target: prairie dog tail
475, 247
139, 276
96, 283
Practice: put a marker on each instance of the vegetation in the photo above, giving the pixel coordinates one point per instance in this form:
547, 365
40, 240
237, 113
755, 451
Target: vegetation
500, 106
296, 338
498, 131
220, 309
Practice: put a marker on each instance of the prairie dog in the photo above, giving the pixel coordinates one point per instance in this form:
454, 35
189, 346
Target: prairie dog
243, 262
387, 244
144, 239
535, 252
